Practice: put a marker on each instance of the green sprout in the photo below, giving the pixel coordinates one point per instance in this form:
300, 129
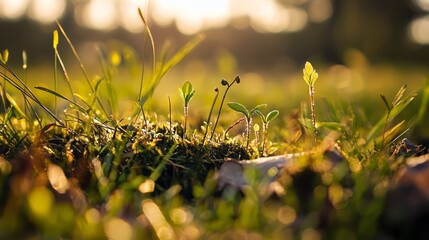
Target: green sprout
228, 86
265, 120
186, 92
238, 107
310, 76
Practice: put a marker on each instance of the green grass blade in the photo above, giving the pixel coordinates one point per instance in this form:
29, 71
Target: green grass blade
61, 96
161, 71
15, 106
395, 111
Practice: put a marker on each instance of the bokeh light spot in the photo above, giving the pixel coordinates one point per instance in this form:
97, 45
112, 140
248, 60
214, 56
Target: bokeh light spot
423, 4
57, 178
119, 229
320, 10
286, 215
46, 11
99, 15
419, 30
40, 202
12, 9
147, 186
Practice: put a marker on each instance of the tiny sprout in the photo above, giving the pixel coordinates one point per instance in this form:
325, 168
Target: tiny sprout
224, 83
310, 76
186, 92
265, 120
238, 107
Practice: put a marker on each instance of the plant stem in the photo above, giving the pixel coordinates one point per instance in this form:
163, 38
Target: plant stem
313, 113
264, 137
233, 125
248, 124
220, 108
185, 114
210, 114
55, 81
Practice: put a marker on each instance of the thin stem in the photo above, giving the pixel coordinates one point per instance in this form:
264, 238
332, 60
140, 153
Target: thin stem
152, 42
264, 137
185, 113
85, 73
233, 125
55, 81
220, 107
210, 114
313, 113
248, 124
170, 116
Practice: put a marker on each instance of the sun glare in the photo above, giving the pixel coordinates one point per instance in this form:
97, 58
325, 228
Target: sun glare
46, 11
98, 14
12, 9
189, 16
419, 30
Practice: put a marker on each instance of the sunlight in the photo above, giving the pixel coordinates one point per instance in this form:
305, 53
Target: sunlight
98, 14
191, 16
423, 4
12, 9
46, 11
419, 30
188, 16
129, 19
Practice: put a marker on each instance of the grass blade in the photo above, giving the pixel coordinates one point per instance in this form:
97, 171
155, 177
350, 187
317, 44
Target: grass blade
61, 96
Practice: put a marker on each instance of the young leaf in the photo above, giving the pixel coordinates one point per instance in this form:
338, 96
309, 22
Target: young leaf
309, 74
259, 113
238, 107
271, 115
187, 92
258, 107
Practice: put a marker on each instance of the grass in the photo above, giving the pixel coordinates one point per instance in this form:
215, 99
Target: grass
90, 171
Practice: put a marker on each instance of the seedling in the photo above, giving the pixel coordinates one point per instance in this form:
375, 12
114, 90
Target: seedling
238, 107
265, 120
228, 86
310, 76
186, 92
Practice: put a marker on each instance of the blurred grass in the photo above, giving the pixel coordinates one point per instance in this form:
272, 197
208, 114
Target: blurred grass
117, 180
